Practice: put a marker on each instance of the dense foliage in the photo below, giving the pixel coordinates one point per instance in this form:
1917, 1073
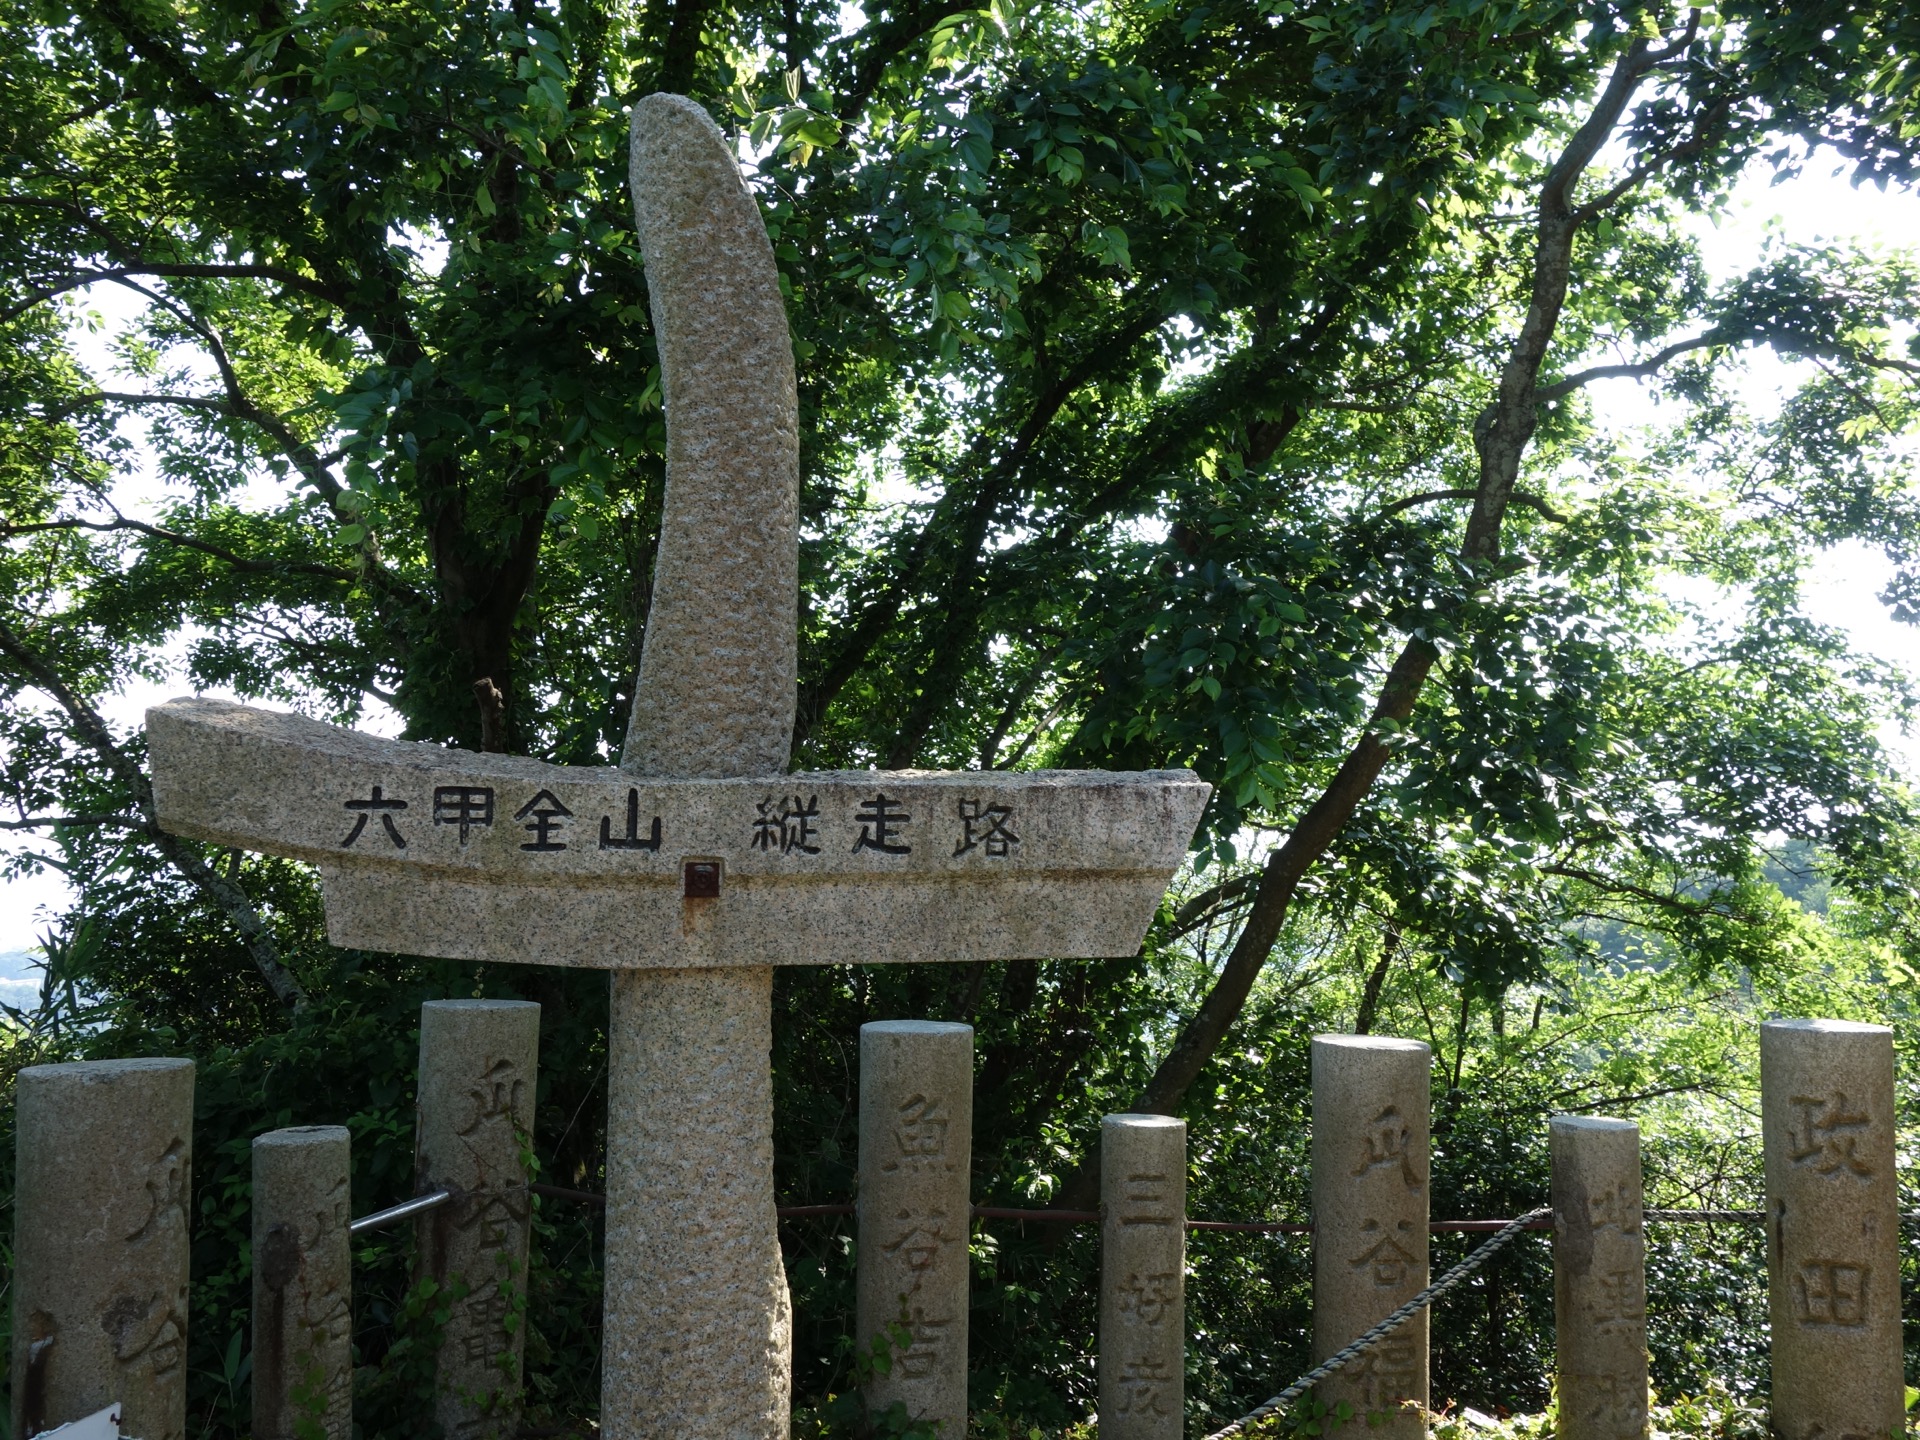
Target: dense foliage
1181, 384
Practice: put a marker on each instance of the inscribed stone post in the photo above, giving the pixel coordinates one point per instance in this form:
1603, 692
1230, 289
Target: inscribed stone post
1370, 1116
103, 1167
915, 1213
1599, 1278
479, 1063
1143, 1256
302, 1284
1833, 1259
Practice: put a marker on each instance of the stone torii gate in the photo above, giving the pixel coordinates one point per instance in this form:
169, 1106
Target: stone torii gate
699, 864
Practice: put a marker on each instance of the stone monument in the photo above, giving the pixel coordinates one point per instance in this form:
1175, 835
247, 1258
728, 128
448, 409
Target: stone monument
478, 1065
916, 1213
700, 864
302, 1284
1599, 1278
103, 1173
1143, 1261
1370, 1114
1833, 1229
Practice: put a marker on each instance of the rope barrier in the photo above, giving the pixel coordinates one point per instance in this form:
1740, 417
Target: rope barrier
1387, 1326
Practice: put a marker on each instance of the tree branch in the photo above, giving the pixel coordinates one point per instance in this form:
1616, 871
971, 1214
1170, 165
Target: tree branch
1636, 370
885, 41
292, 279
1674, 904
222, 892
74, 822
174, 537
1519, 497
305, 458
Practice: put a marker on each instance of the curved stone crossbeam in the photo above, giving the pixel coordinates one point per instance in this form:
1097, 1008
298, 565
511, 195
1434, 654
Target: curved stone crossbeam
496, 857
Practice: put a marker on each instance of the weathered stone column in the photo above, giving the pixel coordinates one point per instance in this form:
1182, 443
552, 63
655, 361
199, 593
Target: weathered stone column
916, 1212
1370, 1114
302, 1284
698, 1339
1833, 1260
1599, 1278
1143, 1259
479, 1061
103, 1166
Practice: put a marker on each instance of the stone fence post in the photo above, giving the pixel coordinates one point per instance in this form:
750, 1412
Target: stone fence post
1371, 1104
1833, 1236
915, 1213
1599, 1278
479, 1063
102, 1182
302, 1283
1143, 1255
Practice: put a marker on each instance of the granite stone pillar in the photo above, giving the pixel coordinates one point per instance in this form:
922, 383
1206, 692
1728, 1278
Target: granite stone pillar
699, 1326
1370, 1150
1143, 1254
302, 1285
1833, 1256
915, 1213
1599, 1278
479, 1063
101, 1204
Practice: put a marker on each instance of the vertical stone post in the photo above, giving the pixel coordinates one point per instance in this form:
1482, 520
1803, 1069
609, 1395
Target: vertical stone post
1371, 1103
302, 1283
1599, 1278
698, 1336
1833, 1258
103, 1169
1143, 1256
479, 1063
915, 1212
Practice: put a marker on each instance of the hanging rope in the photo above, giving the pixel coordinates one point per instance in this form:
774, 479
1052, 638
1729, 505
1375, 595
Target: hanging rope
1386, 1327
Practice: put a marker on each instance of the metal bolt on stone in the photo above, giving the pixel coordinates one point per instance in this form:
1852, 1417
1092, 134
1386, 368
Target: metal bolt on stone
302, 1284
1370, 1166
1599, 1278
1833, 1241
479, 1064
914, 1214
1143, 1254
103, 1169
701, 863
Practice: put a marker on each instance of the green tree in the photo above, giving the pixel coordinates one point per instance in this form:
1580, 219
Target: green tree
1180, 384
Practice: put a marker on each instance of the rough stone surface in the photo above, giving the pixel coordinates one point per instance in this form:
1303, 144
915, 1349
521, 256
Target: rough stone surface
1370, 1158
915, 1212
479, 1063
716, 696
103, 1173
698, 1331
1143, 1255
963, 867
1599, 1278
302, 1284
1833, 1256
